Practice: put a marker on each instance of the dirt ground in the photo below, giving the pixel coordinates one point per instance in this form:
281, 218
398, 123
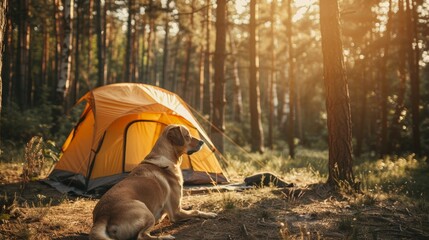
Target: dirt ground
313, 211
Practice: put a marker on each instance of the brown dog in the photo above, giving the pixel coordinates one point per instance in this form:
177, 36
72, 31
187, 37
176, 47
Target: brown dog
152, 190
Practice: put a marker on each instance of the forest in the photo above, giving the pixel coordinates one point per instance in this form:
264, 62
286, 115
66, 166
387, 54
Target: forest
283, 83
55, 51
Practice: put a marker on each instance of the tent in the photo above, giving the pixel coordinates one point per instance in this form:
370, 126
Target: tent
117, 128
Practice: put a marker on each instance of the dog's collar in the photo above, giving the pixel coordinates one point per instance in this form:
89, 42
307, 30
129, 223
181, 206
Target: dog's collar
151, 163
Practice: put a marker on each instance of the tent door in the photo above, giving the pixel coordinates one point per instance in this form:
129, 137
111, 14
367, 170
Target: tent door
140, 137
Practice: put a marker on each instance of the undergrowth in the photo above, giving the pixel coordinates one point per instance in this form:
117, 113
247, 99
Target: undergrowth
395, 176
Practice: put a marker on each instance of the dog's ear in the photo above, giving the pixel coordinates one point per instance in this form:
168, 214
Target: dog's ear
175, 136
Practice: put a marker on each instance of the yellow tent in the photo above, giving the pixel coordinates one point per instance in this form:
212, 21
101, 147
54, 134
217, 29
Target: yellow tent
118, 128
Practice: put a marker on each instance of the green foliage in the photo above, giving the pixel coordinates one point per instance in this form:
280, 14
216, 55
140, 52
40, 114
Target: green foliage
394, 175
19, 126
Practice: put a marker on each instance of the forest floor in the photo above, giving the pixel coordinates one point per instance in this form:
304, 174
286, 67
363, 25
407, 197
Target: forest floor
307, 211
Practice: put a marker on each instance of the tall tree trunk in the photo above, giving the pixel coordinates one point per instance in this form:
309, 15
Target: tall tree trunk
75, 84
135, 51
8, 59
188, 56
100, 48
272, 82
292, 95
165, 56
58, 34
413, 63
207, 64
89, 66
237, 96
384, 84
128, 51
65, 69
362, 113
219, 100
107, 6
154, 68
257, 141
149, 50
337, 96
22, 55
45, 52
175, 64
200, 87
399, 115
143, 50
281, 96
3, 20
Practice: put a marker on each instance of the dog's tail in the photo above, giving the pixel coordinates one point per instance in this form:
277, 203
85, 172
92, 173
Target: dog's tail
99, 231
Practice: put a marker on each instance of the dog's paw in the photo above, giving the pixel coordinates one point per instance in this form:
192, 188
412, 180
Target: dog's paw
167, 237
209, 215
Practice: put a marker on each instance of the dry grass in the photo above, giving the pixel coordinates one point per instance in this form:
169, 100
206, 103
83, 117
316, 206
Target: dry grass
311, 210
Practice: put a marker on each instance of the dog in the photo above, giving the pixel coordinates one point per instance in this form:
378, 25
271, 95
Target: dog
152, 190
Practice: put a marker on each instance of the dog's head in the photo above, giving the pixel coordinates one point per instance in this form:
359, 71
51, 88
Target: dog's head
180, 137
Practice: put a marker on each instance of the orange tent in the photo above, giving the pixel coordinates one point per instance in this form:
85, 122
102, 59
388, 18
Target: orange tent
118, 128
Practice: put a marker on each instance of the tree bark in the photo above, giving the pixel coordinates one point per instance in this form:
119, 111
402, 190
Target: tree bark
237, 96
384, 84
8, 59
89, 66
337, 96
3, 20
207, 64
188, 56
413, 64
100, 48
75, 84
292, 95
165, 62
272, 82
257, 141
219, 100
65, 67
22, 55
129, 44
400, 114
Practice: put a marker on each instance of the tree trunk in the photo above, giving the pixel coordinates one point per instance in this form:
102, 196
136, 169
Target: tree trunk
219, 100
384, 84
8, 59
149, 50
3, 20
399, 115
413, 64
58, 34
362, 113
257, 141
89, 66
272, 82
45, 52
22, 55
292, 95
207, 64
175, 64
237, 96
337, 96
75, 84
128, 51
100, 48
65, 67
188, 56
165, 62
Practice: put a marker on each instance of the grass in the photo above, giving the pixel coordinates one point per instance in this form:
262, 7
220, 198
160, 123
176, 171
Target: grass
405, 175
394, 196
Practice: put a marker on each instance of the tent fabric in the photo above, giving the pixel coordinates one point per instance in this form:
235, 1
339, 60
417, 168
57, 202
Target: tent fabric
117, 129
